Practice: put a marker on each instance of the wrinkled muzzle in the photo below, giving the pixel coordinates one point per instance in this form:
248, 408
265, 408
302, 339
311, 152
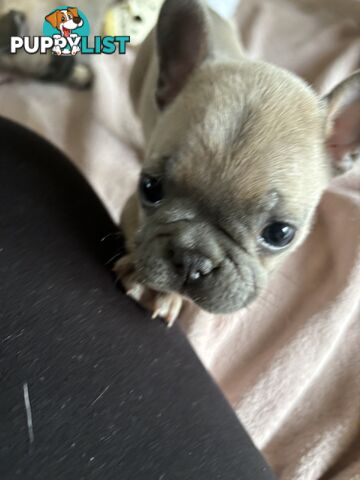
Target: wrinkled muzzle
192, 259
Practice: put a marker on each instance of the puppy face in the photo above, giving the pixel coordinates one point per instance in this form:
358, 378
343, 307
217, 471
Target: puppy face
65, 20
235, 167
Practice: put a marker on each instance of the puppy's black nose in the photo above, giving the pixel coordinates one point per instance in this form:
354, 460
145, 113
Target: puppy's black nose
191, 265
77, 20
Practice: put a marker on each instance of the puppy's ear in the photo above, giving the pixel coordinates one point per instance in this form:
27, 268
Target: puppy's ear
182, 44
74, 11
343, 122
52, 19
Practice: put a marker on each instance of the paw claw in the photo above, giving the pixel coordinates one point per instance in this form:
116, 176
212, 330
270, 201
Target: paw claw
155, 314
164, 305
168, 306
170, 321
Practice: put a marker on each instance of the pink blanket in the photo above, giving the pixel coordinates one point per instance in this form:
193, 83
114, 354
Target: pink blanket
290, 363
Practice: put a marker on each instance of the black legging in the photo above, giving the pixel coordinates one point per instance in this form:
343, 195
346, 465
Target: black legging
90, 387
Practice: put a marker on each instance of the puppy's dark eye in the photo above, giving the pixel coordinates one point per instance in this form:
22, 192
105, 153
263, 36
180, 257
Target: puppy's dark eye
277, 235
151, 190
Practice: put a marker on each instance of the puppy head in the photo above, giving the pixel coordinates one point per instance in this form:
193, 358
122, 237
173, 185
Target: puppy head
65, 20
235, 166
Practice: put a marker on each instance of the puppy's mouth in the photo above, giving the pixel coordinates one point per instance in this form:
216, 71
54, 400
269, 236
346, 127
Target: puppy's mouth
218, 287
66, 32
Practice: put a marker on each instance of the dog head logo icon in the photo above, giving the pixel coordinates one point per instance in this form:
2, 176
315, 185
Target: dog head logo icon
65, 20
68, 24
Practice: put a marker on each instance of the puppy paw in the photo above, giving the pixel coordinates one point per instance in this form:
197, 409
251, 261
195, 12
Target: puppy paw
75, 50
166, 305
57, 50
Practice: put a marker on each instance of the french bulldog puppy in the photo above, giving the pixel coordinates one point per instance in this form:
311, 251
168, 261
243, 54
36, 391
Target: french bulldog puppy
238, 153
